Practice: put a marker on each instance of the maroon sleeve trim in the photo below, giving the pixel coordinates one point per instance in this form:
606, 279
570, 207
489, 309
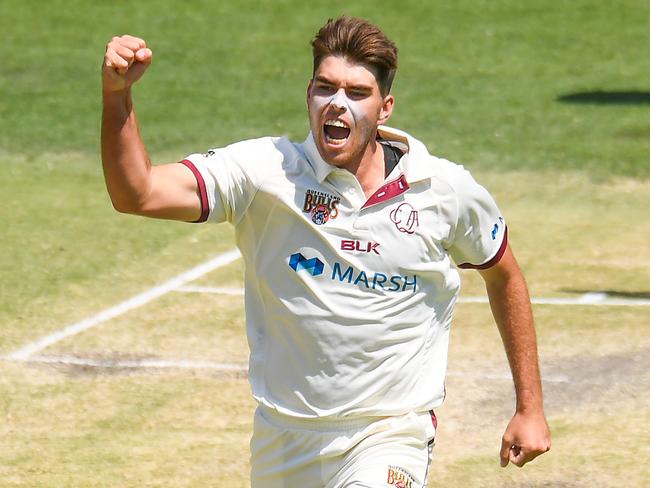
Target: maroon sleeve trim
497, 257
203, 193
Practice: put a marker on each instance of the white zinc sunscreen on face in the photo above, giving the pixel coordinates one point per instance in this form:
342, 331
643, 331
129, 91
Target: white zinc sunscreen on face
340, 100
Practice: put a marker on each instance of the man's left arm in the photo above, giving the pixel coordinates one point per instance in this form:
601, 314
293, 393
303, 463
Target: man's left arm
527, 435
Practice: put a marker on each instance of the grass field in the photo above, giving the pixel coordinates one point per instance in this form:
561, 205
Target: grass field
548, 103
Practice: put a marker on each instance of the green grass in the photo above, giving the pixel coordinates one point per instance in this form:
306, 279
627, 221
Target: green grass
479, 81
68, 254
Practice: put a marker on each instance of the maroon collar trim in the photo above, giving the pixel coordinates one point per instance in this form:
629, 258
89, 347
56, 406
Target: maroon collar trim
388, 191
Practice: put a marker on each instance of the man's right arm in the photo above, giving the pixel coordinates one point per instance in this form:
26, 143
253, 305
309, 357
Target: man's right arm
136, 186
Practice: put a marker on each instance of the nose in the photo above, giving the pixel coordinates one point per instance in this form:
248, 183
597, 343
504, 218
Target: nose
339, 101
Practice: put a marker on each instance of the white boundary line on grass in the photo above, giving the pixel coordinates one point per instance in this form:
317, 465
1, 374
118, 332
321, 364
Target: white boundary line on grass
136, 301
589, 299
179, 284
211, 289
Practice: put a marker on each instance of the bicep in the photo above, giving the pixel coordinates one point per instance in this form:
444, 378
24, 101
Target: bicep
173, 194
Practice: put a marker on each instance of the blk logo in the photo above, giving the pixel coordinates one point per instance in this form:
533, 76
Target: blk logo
405, 218
314, 265
360, 246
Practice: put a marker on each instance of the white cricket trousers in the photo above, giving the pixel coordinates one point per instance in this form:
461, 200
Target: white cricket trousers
389, 452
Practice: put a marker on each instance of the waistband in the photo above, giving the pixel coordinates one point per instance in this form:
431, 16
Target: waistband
327, 423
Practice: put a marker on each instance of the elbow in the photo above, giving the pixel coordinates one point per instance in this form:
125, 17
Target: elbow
125, 206
125, 199
121, 208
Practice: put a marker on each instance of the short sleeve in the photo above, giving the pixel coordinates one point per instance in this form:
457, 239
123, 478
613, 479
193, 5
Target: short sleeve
227, 179
480, 235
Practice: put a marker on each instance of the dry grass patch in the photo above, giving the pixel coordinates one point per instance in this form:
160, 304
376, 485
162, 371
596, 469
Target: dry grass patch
597, 390
592, 446
571, 233
130, 431
231, 276
562, 331
190, 326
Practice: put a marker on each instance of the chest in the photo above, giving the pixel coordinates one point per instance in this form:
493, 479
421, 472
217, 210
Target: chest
400, 232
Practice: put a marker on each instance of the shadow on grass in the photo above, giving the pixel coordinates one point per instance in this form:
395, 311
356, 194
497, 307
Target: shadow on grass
638, 295
600, 97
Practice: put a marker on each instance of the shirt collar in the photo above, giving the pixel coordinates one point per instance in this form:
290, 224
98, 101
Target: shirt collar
416, 164
321, 167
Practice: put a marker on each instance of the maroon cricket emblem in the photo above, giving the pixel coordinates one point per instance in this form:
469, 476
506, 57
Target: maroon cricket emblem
405, 218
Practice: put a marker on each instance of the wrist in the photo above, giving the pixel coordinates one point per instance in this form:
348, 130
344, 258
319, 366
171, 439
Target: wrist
115, 92
530, 408
529, 396
117, 99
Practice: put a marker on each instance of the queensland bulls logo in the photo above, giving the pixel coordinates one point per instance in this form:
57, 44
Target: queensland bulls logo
399, 478
320, 206
320, 214
405, 218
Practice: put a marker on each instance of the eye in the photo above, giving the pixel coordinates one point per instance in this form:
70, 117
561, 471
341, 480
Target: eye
357, 94
325, 88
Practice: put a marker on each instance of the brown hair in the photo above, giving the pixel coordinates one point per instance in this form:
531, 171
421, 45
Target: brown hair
361, 42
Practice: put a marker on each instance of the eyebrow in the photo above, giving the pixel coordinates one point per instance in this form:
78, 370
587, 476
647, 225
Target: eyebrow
327, 81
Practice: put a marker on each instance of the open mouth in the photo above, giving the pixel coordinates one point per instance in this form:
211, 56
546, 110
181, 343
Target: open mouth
336, 131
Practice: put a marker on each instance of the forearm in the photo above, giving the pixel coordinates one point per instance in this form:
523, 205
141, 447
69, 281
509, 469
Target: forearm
512, 312
124, 158
527, 435
168, 191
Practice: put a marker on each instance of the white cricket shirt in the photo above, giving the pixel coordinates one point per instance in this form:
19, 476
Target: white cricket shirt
348, 301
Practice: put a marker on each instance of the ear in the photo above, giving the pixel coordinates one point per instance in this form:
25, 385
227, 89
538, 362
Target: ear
309, 90
386, 109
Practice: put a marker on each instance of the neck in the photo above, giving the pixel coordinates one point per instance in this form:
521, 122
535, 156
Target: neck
370, 169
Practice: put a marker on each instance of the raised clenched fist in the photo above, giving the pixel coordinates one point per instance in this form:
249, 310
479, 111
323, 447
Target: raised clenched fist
125, 61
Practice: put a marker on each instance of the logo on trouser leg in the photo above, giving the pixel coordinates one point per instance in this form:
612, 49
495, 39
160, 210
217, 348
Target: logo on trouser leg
399, 478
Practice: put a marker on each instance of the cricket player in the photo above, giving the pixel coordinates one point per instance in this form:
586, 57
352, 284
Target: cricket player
351, 241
